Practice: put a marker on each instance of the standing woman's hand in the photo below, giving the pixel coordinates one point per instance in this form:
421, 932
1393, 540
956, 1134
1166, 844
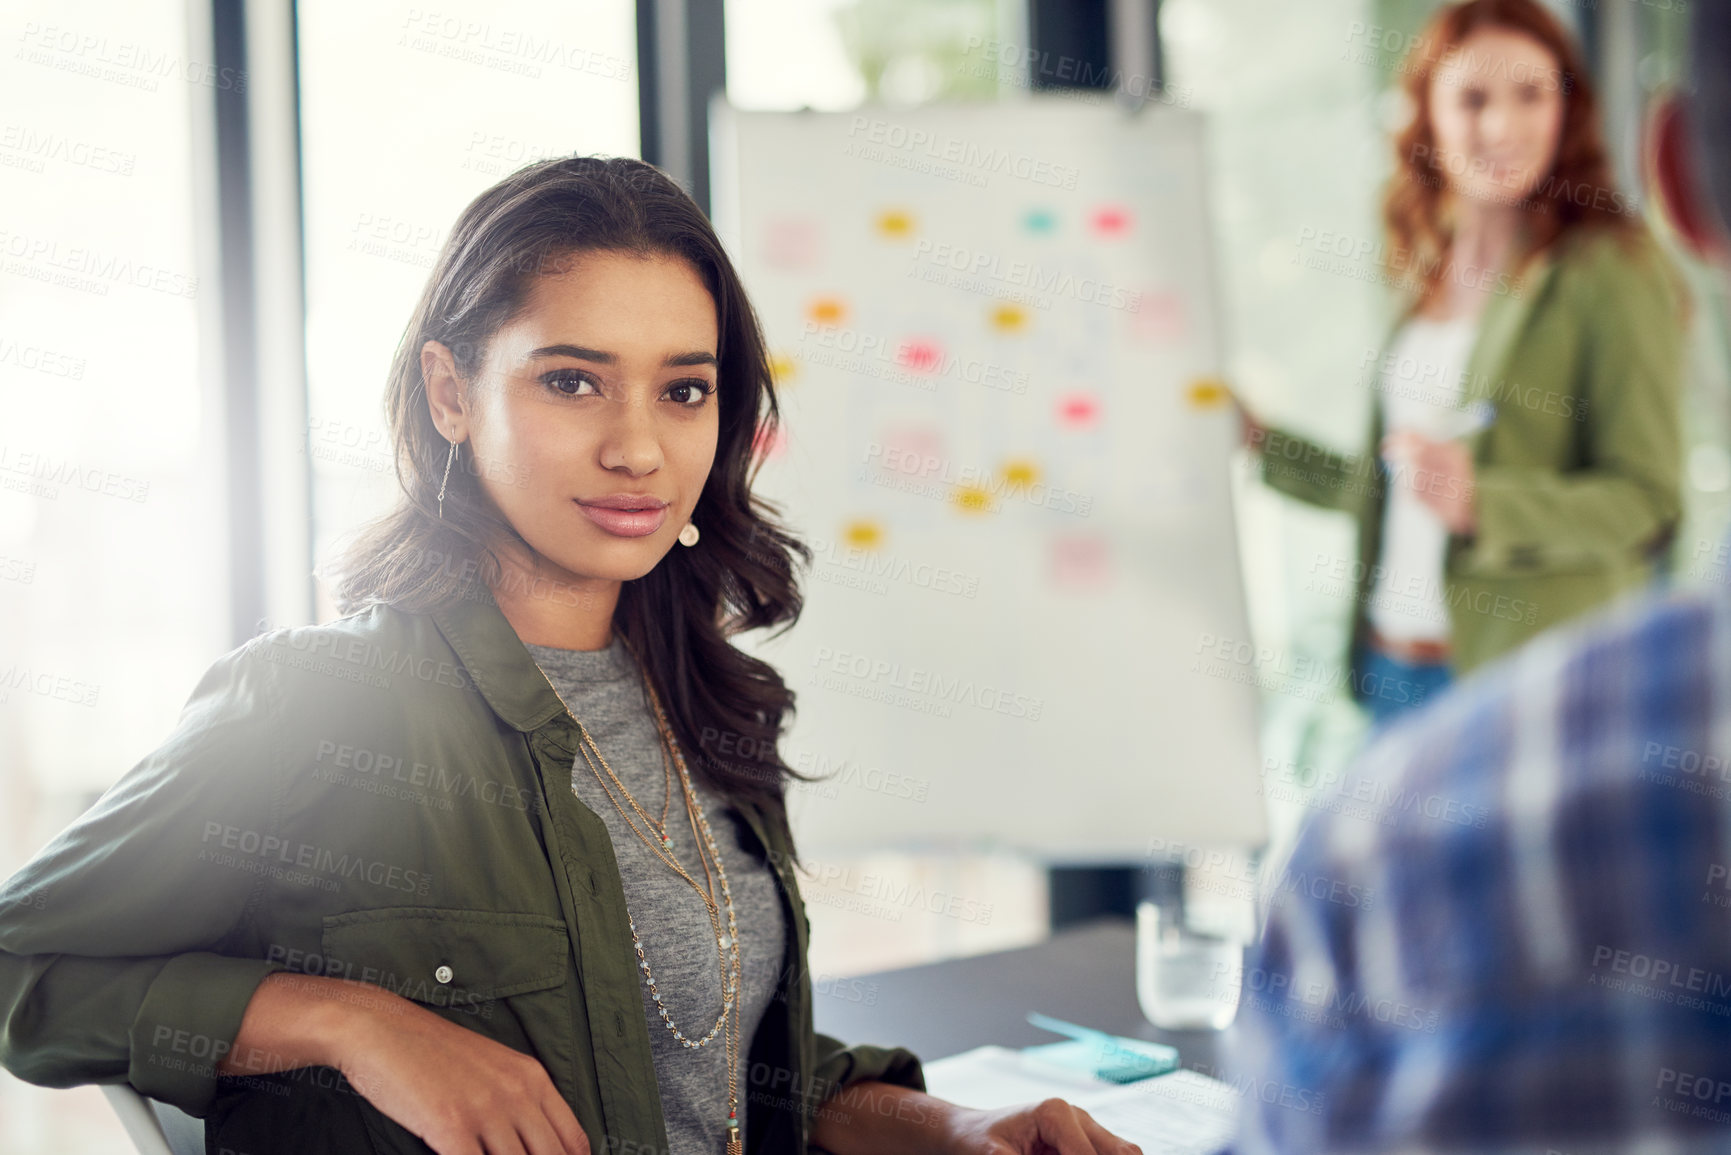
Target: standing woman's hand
1047, 1127
1440, 474
1251, 432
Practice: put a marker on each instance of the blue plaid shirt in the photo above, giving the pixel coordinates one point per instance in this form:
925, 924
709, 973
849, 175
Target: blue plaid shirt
1529, 946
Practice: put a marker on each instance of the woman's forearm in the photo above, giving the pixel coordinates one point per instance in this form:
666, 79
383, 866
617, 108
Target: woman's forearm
1306, 470
296, 1020
454, 1087
868, 1118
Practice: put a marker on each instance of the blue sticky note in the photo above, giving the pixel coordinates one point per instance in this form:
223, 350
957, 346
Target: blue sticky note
1111, 1057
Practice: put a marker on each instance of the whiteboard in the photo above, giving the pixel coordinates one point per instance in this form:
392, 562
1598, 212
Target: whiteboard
994, 334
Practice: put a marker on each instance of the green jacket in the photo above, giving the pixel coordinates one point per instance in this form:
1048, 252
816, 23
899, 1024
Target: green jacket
1578, 476
378, 798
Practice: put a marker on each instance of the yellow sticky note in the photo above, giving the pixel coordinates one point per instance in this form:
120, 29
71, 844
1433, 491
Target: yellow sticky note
1009, 318
895, 224
973, 499
863, 534
1021, 472
1206, 393
782, 368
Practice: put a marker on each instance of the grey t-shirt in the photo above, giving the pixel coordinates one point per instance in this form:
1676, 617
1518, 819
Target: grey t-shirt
603, 690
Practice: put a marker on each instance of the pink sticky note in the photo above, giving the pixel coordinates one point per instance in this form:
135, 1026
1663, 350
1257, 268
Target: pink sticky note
921, 354
793, 243
1078, 410
1080, 561
770, 447
1158, 315
1110, 221
911, 449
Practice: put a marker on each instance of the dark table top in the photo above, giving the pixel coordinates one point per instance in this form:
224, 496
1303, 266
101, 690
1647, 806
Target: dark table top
1085, 974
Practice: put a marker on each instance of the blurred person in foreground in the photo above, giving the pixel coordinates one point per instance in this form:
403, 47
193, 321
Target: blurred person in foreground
1523, 463
1543, 962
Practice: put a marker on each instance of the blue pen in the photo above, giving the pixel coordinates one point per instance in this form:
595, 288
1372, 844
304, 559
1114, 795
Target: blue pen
1474, 417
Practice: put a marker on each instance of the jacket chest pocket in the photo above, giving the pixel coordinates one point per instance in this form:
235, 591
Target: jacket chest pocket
443, 957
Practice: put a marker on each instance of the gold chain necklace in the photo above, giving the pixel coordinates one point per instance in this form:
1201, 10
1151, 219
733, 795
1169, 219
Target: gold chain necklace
662, 847
665, 853
666, 795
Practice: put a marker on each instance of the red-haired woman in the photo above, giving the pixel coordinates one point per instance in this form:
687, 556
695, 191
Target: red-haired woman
1525, 426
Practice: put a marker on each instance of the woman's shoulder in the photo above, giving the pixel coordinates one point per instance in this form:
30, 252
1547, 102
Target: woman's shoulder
1613, 266
1608, 251
371, 624
375, 646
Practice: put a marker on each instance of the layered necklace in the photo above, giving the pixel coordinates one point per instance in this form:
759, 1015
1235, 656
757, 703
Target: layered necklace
726, 945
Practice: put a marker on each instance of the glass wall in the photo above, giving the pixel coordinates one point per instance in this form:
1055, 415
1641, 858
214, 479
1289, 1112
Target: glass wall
112, 555
837, 54
407, 114
1296, 129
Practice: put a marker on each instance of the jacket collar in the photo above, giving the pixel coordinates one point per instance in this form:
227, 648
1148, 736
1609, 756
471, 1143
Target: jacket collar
1505, 318
498, 663
1501, 325
513, 685
515, 688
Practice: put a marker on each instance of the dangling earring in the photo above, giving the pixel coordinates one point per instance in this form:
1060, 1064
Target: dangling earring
688, 536
449, 458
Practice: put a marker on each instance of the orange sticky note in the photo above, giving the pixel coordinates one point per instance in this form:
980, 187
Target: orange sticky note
827, 310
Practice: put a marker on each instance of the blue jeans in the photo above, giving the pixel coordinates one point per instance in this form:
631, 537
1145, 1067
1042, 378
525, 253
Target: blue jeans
1389, 687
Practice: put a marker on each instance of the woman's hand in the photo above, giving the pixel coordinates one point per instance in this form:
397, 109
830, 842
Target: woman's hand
1439, 473
870, 1118
1049, 1127
1251, 432
460, 1091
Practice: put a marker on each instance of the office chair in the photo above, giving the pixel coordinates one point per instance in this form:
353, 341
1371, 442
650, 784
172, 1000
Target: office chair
155, 1128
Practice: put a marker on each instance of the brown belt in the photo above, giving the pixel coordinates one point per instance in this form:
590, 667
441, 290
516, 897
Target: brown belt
1419, 653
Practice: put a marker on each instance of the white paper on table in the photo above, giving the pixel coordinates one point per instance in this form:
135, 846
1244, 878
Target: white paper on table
1183, 1113
1001, 1077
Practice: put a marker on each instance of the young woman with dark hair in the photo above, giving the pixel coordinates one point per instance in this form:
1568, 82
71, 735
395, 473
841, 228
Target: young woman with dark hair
465, 870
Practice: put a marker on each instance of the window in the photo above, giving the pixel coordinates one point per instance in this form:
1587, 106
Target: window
111, 529
408, 113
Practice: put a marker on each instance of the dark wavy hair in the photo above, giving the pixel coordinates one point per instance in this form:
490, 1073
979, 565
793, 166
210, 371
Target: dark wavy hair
679, 616
1412, 207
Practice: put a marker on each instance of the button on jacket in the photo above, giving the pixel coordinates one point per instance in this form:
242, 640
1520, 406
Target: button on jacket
384, 798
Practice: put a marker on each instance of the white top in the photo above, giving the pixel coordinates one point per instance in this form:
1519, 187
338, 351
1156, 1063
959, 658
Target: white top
1421, 387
